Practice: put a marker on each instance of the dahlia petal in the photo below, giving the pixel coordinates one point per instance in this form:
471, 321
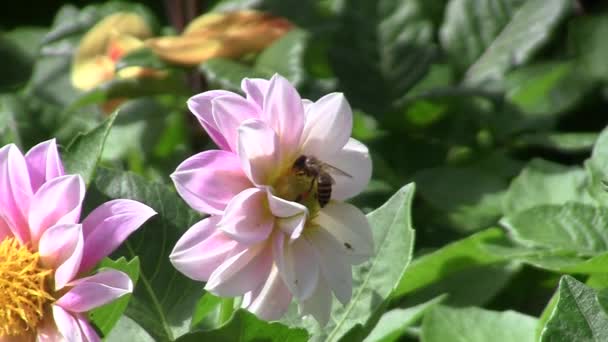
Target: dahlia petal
298, 267
61, 248
246, 218
284, 112
284, 208
43, 163
108, 225
67, 325
209, 180
335, 265
255, 89
4, 230
354, 160
229, 112
200, 106
46, 331
350, 228
329, 123
16, 191
57, 201
292, 226
90, 335
258, 149
242, 272
202, 249
319, 303
97, 290
271, 300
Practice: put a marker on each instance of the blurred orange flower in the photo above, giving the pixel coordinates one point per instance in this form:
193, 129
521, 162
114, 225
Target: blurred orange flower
230, 34
99, 50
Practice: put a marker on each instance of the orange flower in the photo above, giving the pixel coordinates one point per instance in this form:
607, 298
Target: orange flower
99, 50
231, 34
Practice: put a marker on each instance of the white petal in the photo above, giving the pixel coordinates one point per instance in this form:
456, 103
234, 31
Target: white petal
335, 265
229, 112
350, 228
329, 123
272, 300
299, 268
354, 160
247, 218
319, 304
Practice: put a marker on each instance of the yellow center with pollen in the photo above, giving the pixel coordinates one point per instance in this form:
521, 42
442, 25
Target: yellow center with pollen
23, 289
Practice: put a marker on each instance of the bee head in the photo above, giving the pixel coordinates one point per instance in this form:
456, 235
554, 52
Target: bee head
300, 163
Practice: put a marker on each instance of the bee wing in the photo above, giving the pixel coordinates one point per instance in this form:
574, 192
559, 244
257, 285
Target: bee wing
336, 171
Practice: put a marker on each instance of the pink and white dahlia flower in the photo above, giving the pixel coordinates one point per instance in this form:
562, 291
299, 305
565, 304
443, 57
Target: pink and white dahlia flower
47, 253
270, 236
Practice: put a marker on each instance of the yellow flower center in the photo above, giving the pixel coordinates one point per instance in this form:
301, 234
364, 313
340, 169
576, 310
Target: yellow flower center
23, 289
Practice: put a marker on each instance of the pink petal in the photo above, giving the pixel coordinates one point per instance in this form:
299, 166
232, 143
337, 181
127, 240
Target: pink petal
60, 248
46, 331
298, 267
67, 325
354, 160
242, 272
97, 290
284, 112
87, 330
247, 218
335, 265
16, 191
108, 226
258, 149
200, 106
43, 163
209, 180
329, 123
319, 304
255, 89
271, 300
350, 228
4, 230
229, 112
202, 249
57, 201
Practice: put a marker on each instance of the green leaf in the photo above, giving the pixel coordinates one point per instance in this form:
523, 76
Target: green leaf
546, 89
107, 316
227, 74
203, 317
469, 197
571, 227
486, 37
457, 256
85, 150
380, 50
587, 39
597, 169
477, 325
543, 182
579, 142
143, 57
578, 315
164, 299
16, 67
286, 57
374, 280
394, 323
244, 327
128, 330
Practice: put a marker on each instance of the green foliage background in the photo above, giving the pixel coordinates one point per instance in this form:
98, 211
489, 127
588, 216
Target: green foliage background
495, 109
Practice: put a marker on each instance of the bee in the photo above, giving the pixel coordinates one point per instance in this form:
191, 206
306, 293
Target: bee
320, 173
